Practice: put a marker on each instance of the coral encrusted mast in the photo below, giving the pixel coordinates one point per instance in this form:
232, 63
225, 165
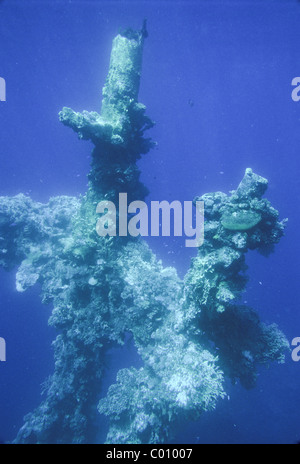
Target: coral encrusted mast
189, 334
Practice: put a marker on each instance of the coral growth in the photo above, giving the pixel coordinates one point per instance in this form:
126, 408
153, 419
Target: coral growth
189, 334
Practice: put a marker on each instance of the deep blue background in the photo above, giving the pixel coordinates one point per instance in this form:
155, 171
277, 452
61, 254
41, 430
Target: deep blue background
217, 79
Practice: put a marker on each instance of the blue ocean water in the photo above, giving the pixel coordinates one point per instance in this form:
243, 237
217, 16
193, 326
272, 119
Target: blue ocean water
217, 80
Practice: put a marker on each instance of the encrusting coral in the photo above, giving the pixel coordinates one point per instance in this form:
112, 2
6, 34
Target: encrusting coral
104, 288
217, 278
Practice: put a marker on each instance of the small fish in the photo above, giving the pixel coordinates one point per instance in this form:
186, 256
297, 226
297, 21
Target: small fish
144, 31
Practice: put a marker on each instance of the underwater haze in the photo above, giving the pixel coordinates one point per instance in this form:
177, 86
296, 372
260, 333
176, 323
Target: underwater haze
148, 340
